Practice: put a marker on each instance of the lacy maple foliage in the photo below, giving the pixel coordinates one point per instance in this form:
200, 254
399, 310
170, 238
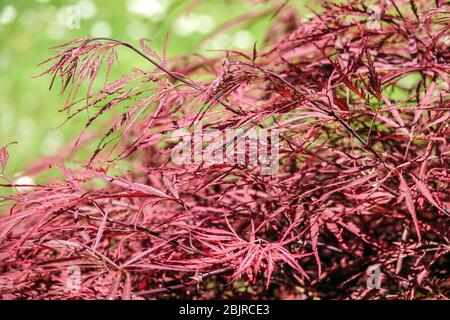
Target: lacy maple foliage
363, 178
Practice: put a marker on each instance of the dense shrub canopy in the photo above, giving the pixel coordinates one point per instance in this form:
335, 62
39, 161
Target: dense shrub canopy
360, 98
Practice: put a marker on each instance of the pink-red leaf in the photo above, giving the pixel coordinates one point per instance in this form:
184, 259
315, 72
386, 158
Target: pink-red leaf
406, 191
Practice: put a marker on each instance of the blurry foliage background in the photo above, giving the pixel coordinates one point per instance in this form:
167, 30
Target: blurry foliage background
28, 28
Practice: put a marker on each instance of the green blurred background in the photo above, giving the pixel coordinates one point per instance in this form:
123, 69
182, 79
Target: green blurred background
28, 28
